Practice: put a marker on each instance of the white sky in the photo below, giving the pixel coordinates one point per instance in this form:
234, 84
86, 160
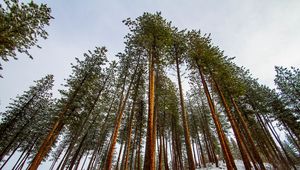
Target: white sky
260, 33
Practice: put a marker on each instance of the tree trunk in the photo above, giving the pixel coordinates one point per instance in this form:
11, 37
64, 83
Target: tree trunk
234, 126
129, 130
149, 162
185, 121
84, 161
227, 154
248, 134
122, 105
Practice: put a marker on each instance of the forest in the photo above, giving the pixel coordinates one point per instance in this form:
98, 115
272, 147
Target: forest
170, 100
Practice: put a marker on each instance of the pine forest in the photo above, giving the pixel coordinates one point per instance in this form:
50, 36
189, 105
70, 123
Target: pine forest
171, 100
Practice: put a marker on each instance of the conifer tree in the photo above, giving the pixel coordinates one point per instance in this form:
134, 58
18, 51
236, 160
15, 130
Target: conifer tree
21, 26
83, 75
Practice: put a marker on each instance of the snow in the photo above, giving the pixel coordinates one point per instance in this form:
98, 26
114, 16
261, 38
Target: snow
239, 164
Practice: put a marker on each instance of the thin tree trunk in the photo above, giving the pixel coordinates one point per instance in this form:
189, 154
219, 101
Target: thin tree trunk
118, 160
55, 160
227, 155
194, 152
236, 131
185, 121
248, 134
165, 150
56, 128
108, 163
16, 148
290, 161
84, 161
21, 156
73, 160
129, 130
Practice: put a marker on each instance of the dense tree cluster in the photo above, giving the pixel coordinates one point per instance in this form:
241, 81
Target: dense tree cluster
21, 25
133, 113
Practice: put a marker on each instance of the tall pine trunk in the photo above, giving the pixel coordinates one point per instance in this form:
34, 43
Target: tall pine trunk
185, 121
236, 131
122, 105
227, 154
149, 162
248, 134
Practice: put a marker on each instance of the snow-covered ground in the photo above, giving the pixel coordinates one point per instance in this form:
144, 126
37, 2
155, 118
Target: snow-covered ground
239, 164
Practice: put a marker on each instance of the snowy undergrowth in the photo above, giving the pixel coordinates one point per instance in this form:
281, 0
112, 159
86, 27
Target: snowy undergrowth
239, 164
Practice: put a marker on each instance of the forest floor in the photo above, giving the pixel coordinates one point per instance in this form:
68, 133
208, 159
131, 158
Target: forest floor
239, 165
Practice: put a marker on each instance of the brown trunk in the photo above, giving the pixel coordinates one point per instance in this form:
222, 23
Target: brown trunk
129, 130
271, 144
289, 160
185, 121
227, 155
73, 160
56, 128
248, 134
236, 131
140, 137
47, 144
149, 163
132, 163
165, 150
201, 151
122, 105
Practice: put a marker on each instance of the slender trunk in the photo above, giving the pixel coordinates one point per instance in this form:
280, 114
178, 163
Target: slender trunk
289, 160
11, 142
248, 134
296, 143
270, 142
140, 140
129, 130
92, 158
16, 148
109, 157
73, 160
201, 151
149, 162
84, 161
118, 160
165, 150
56, 128
78, 161
194, 152
236, 131
227, 155
14, 119
185, 121
55, 160
160, 155
20, 158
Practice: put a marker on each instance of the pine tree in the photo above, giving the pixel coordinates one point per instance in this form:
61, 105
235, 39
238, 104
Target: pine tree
21, 27
83, 74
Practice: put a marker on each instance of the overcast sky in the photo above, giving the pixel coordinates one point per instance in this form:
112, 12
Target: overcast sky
259, 33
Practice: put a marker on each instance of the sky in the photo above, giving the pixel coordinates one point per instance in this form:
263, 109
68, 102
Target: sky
259, 33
